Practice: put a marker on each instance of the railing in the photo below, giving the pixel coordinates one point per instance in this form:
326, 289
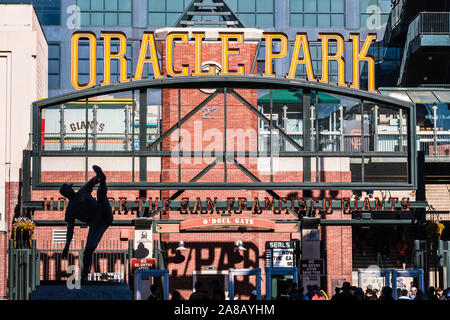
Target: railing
434, 145
425, 23
99, 142
109, 262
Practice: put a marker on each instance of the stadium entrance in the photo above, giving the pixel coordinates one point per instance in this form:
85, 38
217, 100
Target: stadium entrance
224, 175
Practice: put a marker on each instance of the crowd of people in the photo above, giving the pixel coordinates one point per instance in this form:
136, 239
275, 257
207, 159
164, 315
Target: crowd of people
351, 293
297, 292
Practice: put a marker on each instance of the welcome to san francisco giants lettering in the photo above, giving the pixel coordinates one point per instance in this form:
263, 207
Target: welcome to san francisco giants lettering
238, 205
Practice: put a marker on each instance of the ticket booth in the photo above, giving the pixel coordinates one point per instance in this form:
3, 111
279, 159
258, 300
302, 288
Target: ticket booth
377, 278
214, 280
411, 275
279, 279
232, 273
144, 278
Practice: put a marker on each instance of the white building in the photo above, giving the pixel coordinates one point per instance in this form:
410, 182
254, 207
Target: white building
23, 79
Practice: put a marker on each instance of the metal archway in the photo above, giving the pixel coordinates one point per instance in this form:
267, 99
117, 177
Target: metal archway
278, 271
232, 273
139, 274
413, 273
225, 85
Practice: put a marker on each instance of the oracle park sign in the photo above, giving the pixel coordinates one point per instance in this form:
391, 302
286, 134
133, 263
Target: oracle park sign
230, 49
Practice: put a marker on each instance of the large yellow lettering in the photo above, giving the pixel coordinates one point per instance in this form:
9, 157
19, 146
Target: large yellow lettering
225, 36
269, 37
148, 41
337, 57
120, 55
359, 56
198, 36
301, 41
183, 36
92, 59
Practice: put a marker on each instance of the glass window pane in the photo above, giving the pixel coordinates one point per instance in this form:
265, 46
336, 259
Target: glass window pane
264, 20
85, 19
156, 19
323, 20
53, 51
310, 6
53, 66
247, 19
53, 81
172, 18
97, 5
247, 6
337, 6
83, 67
296, 5
385, 5
111, 19
49, 18
296, 20
364, 22
175, 5
84, 5
233, 5
363, 4
96, 19
264, 5
111, 5
99, 68
384, 19
125, 19
324, 6
156, 5
310, 20
124, 5
337, 20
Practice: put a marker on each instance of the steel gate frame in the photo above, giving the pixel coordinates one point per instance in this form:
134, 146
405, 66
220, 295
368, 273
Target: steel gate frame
244, 272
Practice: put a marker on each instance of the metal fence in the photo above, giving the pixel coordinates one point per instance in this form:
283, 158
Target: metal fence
109, 261
29, 266
434, 145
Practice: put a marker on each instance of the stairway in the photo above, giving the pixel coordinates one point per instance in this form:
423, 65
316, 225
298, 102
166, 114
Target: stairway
90, 291
370, 258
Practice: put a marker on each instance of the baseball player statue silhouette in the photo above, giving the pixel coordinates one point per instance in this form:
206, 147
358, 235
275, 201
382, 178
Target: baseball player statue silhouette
96, 213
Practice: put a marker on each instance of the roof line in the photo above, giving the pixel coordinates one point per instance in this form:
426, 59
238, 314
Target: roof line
216, 81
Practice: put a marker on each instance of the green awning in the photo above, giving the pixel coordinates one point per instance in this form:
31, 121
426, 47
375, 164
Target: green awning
286, 96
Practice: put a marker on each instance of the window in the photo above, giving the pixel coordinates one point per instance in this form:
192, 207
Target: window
163, 13
254, 13
53, 65
48, 11
374, 13
316, 59
317, 13
105, 12
83, 62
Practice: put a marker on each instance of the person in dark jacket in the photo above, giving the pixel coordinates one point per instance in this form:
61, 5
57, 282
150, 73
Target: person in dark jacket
96, 213
200, 293
154, 292
346, 294
386, 294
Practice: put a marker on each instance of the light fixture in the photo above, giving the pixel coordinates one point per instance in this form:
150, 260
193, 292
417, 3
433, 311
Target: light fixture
181, 246
240, 245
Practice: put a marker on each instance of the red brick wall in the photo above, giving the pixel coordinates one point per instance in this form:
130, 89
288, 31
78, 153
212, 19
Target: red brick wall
11, 193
